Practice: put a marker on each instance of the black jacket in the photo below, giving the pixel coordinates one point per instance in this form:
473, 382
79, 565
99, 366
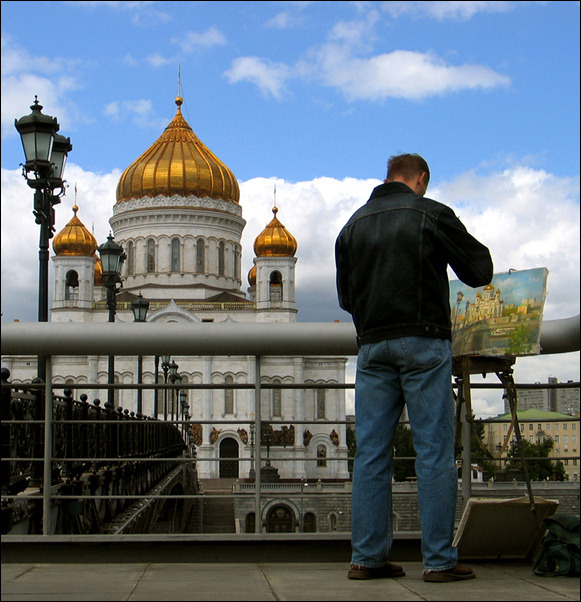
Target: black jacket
392, 258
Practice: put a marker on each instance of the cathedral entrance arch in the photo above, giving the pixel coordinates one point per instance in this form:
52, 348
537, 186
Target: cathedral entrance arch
228, 458
280, 519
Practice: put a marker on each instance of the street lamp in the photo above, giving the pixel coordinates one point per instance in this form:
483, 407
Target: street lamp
165, 367
185, 409
112, 258
252, 472
139, 307
173, 376
45, 152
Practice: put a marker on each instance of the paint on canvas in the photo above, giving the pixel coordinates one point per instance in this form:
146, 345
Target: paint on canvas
500, 319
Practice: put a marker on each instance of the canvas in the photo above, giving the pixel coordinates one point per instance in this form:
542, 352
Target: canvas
500, 319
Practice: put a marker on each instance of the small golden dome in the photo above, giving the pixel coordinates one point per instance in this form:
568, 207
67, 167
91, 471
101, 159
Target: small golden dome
178, 163
98, 271
275, 240
252, 276
75, 239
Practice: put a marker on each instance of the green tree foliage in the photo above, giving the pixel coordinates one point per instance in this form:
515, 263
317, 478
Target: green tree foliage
521, 340
403, 445
540, 467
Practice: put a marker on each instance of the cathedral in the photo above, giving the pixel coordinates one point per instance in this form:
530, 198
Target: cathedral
178, 217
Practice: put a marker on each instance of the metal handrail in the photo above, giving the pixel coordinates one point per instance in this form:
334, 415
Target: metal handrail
215, 339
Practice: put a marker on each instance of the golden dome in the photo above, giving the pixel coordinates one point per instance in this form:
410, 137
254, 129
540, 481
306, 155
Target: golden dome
98, 271
275, 240
178, 163
252, 276
75, 239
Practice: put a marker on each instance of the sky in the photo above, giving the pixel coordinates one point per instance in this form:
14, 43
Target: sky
305, 102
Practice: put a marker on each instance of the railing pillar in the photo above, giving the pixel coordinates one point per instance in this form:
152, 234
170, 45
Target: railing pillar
257, 445
5, 439
48, 436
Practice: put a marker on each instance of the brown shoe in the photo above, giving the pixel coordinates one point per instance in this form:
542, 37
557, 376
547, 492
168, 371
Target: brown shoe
458, 573
387, 571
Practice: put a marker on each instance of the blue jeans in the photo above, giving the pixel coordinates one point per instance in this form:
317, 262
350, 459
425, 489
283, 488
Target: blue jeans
417, 372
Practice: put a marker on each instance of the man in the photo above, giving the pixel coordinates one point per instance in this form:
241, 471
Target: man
392, 258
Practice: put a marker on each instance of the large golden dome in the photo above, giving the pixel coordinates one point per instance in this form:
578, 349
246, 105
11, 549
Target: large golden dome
178, 163
75, 239
275, 240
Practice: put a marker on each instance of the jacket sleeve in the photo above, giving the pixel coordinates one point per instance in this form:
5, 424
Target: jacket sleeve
469, 258
342, 275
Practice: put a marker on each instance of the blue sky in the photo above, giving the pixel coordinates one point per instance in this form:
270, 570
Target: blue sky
313, 97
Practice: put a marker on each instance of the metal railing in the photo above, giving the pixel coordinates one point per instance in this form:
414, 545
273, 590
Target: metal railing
212, 339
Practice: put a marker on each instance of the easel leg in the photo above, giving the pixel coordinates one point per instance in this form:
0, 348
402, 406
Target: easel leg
508, 381
466, 435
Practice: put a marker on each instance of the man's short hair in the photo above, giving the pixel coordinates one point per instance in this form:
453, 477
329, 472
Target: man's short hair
407, 165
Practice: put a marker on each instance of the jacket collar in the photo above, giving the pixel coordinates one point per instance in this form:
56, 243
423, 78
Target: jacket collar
390, 188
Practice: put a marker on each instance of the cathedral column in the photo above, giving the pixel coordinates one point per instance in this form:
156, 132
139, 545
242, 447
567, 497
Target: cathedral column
300, 451
206, 451
342, 469
93, 375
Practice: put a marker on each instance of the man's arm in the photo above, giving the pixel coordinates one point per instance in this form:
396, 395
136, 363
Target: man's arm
342, 275
469, 258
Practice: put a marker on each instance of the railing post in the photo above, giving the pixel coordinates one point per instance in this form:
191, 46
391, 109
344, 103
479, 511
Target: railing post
5, 439
83, 429
69, 434
466, 435
47, 475
257, 445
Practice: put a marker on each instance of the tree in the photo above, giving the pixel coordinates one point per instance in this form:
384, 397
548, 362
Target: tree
539, 466
478, 452
403, 446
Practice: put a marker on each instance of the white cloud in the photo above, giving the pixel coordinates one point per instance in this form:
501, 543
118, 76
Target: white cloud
346, 63
25, 76
399, 74
143, 13
139, 111
193, 40
446, 10
527, 217
270, 77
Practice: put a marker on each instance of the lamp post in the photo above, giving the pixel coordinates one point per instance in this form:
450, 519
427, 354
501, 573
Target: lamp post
45, 153
252, 472
185, 409
165, 367
139, 307
173, 376
156, 391
112, 258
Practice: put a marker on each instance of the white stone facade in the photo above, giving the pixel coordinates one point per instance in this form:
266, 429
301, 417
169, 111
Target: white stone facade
184, 256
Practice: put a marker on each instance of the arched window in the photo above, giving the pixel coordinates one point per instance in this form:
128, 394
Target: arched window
309, 523
221, 259
321, 403
229, 396
280, 520
175, 255
200, 256
321, 455
276, 399
116, 392
184, 394
150, 259
236, 262
130, 258
250, 523
72, 285
275, 288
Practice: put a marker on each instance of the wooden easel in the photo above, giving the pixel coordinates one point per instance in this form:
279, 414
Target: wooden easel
462, 368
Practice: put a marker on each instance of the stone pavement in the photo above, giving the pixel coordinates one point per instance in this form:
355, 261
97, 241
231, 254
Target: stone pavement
132, 581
